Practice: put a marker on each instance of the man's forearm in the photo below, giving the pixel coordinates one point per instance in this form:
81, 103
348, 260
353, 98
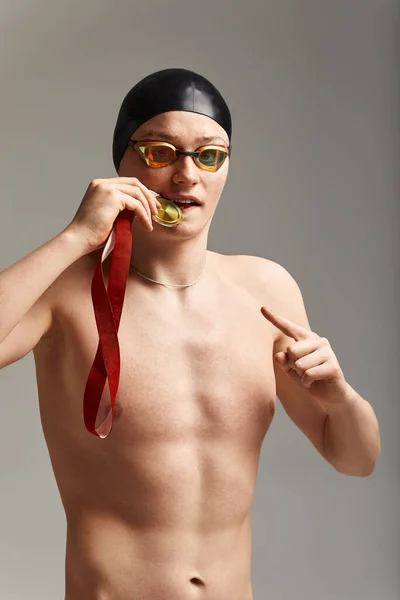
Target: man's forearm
351, 436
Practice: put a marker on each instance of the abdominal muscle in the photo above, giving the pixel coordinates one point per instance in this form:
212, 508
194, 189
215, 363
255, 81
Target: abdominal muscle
113, 557
170, 521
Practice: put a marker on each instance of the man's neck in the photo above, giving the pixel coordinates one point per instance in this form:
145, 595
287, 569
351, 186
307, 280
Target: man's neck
169, 260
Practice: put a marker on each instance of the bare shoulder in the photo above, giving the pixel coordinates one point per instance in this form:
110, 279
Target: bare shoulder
64, 294
70, 278
268, 282
257, 273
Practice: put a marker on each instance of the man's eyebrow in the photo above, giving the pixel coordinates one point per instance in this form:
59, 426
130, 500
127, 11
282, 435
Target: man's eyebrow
161, 136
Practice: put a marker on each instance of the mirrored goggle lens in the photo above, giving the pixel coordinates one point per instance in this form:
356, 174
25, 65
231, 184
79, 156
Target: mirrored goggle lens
212, 157
158, 155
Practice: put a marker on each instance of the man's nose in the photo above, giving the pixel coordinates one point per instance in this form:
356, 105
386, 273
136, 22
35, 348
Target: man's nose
186, 171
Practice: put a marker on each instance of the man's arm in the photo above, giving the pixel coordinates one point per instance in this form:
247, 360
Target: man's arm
346, 435
25, 307
352, 439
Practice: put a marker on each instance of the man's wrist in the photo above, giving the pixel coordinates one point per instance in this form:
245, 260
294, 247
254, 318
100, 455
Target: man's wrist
348, 402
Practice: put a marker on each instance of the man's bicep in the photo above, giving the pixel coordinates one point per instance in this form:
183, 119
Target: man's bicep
303, 409
27, 333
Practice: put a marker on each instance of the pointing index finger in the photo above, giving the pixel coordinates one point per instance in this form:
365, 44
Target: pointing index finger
288, 327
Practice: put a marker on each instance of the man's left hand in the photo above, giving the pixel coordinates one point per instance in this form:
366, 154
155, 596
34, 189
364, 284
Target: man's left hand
310, 362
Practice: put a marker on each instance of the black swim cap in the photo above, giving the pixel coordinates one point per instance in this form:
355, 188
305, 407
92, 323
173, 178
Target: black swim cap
164, 91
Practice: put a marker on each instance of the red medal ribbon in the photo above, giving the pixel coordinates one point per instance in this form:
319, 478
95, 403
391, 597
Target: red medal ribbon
107, 304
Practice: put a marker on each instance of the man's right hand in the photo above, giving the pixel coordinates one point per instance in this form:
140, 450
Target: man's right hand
104, 200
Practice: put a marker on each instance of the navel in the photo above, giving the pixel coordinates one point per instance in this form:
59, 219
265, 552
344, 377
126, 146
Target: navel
197, 581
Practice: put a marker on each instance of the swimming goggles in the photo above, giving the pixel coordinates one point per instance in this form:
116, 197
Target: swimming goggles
161, 154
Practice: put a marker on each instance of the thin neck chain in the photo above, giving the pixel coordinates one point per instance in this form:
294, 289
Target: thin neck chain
170, 285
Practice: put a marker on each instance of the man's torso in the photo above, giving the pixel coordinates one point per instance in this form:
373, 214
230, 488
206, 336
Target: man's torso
161, 508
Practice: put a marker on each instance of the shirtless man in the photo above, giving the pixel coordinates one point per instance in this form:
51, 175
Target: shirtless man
160, 509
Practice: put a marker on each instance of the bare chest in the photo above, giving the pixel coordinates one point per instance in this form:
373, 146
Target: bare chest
198, 370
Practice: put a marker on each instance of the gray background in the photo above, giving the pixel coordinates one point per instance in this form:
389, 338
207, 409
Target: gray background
314, 91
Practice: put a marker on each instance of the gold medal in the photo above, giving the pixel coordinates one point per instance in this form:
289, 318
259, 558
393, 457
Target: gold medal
169, 214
